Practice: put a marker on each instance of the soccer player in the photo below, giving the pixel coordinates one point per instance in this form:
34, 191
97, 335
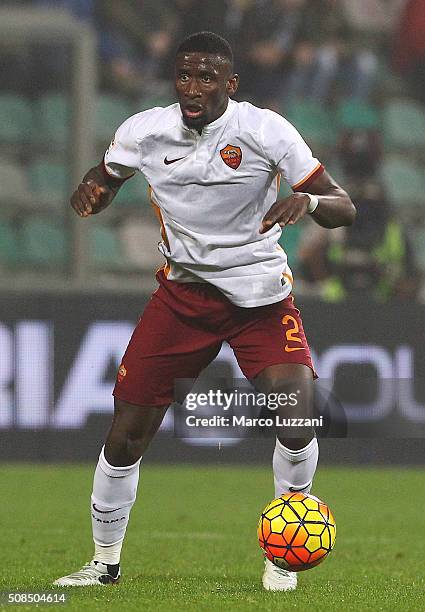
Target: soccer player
214, 167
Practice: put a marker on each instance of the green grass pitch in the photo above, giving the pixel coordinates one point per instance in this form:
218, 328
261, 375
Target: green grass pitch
191, 542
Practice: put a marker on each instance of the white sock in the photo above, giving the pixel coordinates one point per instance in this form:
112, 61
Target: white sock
294, 469
114, 493
108, 554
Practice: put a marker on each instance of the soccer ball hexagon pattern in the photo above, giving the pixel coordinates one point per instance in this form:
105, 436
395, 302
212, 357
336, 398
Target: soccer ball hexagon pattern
296, 531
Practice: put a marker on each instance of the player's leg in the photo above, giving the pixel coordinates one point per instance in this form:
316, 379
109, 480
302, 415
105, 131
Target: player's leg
114, 490
117, 475
273, 353
163, 348
296, 450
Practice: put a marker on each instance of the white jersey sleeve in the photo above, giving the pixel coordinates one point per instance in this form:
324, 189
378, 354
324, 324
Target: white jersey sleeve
122, 158
287, 151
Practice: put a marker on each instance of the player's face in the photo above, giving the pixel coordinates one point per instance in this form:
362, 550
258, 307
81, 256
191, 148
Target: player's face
204, 82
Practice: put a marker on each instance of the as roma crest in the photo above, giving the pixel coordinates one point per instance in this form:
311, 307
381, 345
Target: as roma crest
122, 373
232, 156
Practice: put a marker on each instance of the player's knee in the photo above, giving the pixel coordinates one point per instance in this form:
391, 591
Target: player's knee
135, 447
132, 429
127, 441
281, 377
122, 449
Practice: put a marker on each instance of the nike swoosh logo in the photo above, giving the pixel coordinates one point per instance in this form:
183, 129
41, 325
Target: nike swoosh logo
298, 489
289, 349
167, 162
105, 511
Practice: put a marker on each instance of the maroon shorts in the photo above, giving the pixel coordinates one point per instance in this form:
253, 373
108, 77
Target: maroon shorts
181, 332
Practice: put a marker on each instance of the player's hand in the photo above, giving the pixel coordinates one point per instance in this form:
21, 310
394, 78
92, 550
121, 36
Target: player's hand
87, 198
286, 212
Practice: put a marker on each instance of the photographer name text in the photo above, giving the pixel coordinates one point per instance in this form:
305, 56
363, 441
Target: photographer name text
244, 421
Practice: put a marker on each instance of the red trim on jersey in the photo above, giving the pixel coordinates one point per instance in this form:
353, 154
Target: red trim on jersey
310, 178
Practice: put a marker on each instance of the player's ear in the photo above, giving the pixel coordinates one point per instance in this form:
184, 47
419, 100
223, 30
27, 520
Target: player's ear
232, 84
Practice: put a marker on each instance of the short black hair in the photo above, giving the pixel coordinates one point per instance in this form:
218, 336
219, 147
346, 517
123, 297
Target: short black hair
208, 42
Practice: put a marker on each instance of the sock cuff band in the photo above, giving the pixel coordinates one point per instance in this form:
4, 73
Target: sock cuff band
295, 456
113, 471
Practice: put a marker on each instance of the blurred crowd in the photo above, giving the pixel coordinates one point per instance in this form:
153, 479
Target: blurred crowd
283, 48
322, 51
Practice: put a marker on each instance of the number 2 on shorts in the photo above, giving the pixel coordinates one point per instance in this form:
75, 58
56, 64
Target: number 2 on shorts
290, 334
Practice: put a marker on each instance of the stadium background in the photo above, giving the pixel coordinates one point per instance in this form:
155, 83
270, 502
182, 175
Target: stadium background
348, 74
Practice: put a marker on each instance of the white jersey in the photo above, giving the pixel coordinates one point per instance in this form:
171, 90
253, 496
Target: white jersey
211, 192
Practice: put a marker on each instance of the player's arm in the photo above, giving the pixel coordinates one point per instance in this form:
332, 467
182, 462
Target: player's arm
95, 192
332, 208
101, 183
329, 205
